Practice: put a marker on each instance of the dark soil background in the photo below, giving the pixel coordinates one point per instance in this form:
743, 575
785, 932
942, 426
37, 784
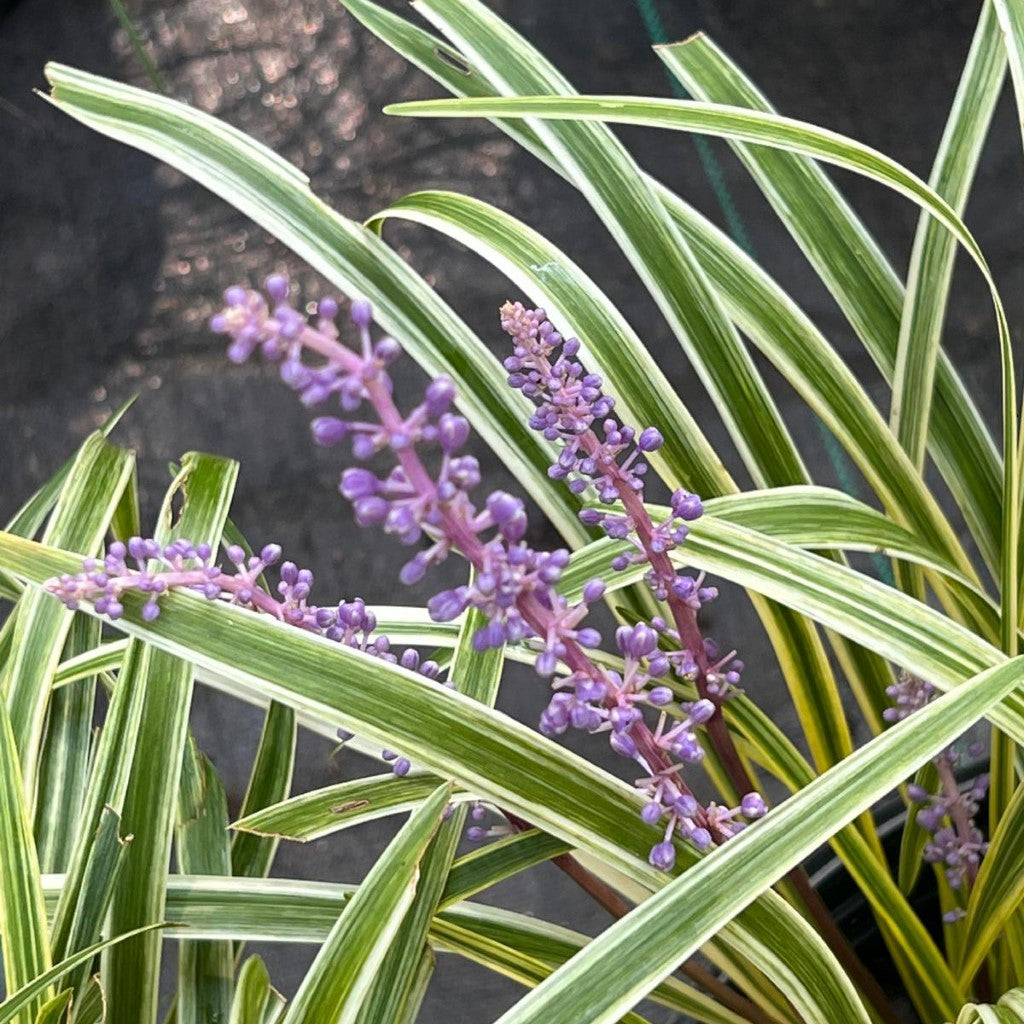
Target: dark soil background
110, 266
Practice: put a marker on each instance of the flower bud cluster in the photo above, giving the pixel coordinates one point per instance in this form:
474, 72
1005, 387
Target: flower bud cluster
515, 586
143, 565
949, 813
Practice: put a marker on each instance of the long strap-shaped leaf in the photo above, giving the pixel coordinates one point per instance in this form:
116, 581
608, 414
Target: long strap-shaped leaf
276, 195
858, 275
344, 969
555, 281
24, 939
999, 890
934, 251
601, 168
132, 969
798, 137
403, 973
81, 517
19, 1002
286, 910
643, 394
457, 738
608, 977
958, 438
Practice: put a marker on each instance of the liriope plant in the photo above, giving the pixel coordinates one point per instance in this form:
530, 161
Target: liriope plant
583, 417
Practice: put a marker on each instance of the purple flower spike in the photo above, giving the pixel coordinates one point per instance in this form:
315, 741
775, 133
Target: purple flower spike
424, 498
949, 814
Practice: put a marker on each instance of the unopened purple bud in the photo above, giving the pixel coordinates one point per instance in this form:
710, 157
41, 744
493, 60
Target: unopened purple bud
650, 440
687, 506
327, 308
546, 663
439, 396
236, 295
701, 711
590, 516
503, 506
401, 766
475, 833
236, 554
588, 637
452, 432
277, 287
413, 571
660, 696
752, 806
622, 743
447, 605
150, 610
270, 554
370, 510
594, 591
701, 838
686, 806
358, 483
652, 812
329, 430
663, 856
636, 641
387, 350
361, 313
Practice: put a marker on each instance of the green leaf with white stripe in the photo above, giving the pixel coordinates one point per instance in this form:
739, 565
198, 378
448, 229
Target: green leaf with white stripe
958, 437
28, 520
1011, 24
484, 751
91, 871
604, 172
934, 251
482, 868
853, 267
255, 998
19, 1002
321, 812
807, 140
605, 979
344, 969
205, 969
66, 755
269, 783
56, 1010
24, 939
106, 853
998, 891
400, 983
1009, 1010
91, 1008
575, 304
276, 195
131, 971
83, 512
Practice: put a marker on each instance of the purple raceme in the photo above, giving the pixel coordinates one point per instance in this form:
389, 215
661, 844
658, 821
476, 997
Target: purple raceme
145, 566
957, 843
600, 456
515, 586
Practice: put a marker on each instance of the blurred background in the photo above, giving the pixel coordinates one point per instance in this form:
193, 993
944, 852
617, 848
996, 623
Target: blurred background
112, 265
